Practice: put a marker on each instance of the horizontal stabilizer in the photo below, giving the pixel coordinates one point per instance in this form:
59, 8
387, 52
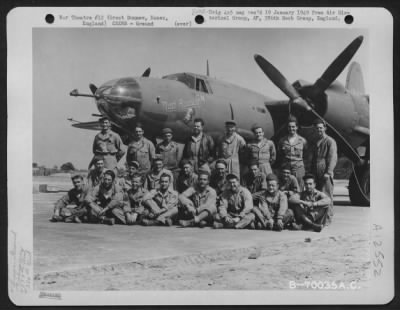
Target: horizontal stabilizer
88, 125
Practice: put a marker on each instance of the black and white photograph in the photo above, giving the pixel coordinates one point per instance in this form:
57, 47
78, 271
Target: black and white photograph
200, 162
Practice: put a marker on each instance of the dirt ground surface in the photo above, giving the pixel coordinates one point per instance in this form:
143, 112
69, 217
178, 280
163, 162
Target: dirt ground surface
99, 257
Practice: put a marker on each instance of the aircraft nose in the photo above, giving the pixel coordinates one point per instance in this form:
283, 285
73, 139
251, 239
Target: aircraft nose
120, 99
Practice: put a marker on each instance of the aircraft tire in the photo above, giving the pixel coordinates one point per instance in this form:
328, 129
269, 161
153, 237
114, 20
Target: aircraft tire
357, 197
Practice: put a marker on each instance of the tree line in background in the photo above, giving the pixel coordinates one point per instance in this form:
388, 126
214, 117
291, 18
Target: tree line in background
44, 171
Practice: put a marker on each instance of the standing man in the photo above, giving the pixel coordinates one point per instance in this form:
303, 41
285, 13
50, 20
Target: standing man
107, 144
152, 179
324, 159
133, 208
262, 150
69, 208
230, 146
291, 149
198, 203
199, 148
96, 174
218, 179
235, 206
161, 205
311, 206
105, 202
141, 150
187, 178
272, 211
126, 182
169, 152
254, 181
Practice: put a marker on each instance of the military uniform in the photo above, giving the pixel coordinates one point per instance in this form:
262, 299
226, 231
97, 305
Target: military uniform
219, 183
161, 207
255, 184
199, 150
291, 155
289, 186
264, 153
323, 162
94, 178
71, 205
152, 180
133, 207
235, 209
143, 152
193, 202
318, 212
100, 198
109, 146
273, 206
184, 182
229, 149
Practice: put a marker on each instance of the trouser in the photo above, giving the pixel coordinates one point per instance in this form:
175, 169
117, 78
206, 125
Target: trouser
69, 212
154, 212
260, 218
236, 222
317, 215
326, 186
95, 217
265, 167
188, 211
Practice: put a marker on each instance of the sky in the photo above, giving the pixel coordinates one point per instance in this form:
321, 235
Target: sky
65, 59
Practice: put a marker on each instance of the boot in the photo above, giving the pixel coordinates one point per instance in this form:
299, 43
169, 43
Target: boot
77, 220
202, 224
148, 222
244, 222
107, 220
218, 225
296, 226
311, 224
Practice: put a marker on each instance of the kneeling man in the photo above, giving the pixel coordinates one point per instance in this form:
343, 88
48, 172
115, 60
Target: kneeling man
105, 202
69, 208
311, 206
272, 211
198, 203
161, 205
235, 206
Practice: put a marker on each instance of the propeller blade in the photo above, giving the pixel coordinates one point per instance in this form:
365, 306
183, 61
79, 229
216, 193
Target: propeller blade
345, 146
337, 66
93, 88
146, 73
281, 82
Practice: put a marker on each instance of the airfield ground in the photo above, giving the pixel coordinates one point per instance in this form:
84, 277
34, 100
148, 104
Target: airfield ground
100, 257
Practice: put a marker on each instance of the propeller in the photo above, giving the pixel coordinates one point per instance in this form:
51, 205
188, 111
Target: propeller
146, 73
93, 88
330, 74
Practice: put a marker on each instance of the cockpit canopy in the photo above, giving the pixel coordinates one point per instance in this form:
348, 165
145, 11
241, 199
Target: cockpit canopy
191, 80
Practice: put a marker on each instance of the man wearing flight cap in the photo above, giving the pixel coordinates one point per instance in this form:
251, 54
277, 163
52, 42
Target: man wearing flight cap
235, 206
324, 159
261, 150
230, 146
108, 145
169, 152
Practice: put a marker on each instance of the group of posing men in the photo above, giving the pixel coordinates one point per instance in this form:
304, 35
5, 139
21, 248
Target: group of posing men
205, 186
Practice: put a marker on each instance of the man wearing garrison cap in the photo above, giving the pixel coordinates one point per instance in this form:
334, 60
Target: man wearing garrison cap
169, 152
230, 146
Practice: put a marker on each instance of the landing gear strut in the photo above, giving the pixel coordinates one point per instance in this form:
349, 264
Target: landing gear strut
359, 185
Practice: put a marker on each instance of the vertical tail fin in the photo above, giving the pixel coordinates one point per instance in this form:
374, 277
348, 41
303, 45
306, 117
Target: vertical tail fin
355, 80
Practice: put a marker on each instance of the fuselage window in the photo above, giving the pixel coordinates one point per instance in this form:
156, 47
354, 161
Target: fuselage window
201, 86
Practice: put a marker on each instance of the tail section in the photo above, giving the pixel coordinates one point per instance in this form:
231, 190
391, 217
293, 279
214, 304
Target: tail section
355, 80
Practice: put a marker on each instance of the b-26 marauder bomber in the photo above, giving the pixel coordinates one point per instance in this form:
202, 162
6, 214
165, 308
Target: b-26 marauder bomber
176, 99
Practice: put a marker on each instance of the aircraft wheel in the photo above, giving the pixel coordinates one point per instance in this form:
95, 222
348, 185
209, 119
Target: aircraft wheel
359, 191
